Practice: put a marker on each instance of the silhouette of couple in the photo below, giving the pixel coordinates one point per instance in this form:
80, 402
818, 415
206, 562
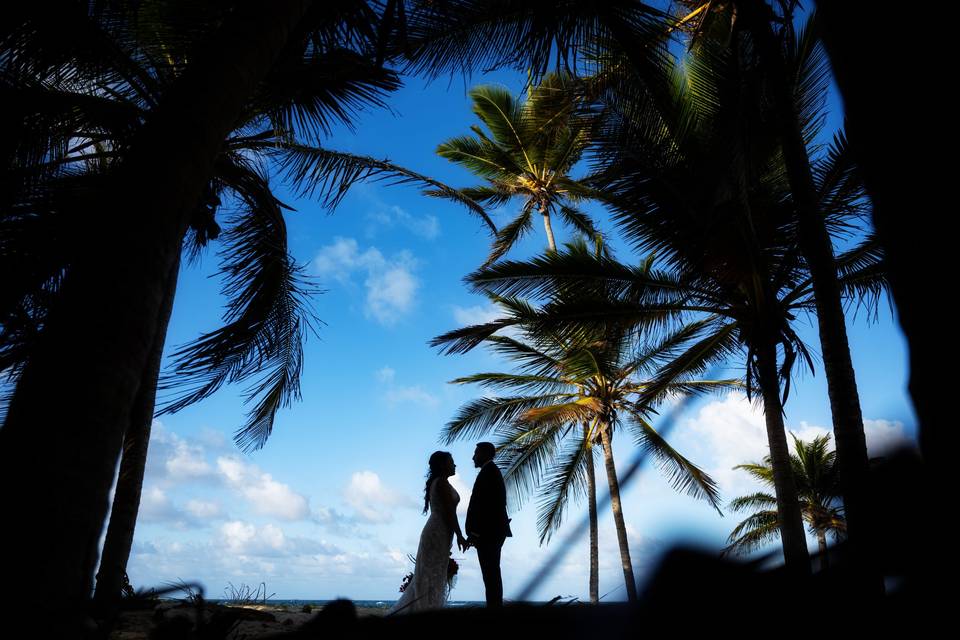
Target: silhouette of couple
487, 527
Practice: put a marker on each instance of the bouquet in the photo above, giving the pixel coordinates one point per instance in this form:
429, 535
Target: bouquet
406, 582
452, 570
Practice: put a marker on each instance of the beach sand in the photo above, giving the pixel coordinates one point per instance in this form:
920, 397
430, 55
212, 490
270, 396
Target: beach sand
257, 620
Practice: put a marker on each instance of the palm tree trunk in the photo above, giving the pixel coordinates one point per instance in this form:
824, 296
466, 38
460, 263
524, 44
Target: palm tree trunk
822, 543
618, 513
63, 432
817, 249
126, 499
594, 533
794, 539
549, 229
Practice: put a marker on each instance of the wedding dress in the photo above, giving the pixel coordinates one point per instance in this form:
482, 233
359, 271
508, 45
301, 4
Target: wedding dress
428, 588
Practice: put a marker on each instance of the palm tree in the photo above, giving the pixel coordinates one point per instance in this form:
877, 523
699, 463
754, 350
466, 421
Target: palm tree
818, 485
528, 154
795, 74
695, 176
466, 36
130, 114
568, 397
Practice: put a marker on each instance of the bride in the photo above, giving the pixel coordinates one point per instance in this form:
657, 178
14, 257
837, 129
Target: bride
428, 588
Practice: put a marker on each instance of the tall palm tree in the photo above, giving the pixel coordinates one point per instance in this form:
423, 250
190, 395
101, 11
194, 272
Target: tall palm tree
465, 36
818, 485
526, 153
567, 397
696, 176
795, 74
131, 112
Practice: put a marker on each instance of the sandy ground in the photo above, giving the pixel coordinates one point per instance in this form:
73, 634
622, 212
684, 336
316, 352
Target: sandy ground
264, 620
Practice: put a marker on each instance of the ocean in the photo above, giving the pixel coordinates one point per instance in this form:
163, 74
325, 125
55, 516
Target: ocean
366, 604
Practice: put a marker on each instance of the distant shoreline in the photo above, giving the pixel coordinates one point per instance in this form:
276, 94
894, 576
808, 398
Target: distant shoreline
362, 604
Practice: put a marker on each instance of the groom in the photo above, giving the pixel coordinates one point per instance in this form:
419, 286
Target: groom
487, 522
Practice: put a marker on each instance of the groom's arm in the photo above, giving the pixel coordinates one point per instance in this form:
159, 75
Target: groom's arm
478, 513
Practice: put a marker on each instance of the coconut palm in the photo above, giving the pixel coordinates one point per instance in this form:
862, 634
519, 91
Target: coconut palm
116, 99
697, 178
818, 485
567, 397
795, 74
528, 36
526, 153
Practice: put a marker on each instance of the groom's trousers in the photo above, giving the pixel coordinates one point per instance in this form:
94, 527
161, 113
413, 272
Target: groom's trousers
489, 556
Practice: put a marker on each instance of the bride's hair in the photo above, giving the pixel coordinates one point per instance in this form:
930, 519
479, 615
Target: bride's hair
437, 467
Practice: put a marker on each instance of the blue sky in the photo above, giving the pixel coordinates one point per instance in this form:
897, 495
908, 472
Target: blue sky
332, 504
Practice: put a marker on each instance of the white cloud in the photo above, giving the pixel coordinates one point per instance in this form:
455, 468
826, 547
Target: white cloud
391, 291
211, 439
382, 215
202, 509
156, 506
884, 435
246, 539
386, 216
237, 536
732, 431
187, 462
143, 547
482, 314
390, 284
414, 395
371, 500
340, 259
401, 394
266, 495
723, 434
477, 314
173, 459
249, 554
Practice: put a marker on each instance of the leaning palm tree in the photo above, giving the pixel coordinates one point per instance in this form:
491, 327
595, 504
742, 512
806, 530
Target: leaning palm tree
526, 154
567, 397
818, 485
143, 108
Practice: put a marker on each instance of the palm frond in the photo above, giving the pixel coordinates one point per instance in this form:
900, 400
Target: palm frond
753, 501
461, 37
482, 416
719, 345
579, 221
754, 532
466, 338
328, 175
481, 157
685, 476
313, 92
520, 383
810, 70
565, 479
526, 454
527, 358
265, 322
511, 233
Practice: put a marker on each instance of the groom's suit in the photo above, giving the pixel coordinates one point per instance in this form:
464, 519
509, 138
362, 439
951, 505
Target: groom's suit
488, 526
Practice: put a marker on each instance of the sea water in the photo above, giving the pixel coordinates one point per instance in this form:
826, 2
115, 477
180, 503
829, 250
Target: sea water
364, 604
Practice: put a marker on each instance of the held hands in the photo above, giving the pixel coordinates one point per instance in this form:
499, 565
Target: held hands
462, 542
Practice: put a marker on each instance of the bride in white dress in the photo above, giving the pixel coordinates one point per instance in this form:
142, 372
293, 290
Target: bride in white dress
428, 588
